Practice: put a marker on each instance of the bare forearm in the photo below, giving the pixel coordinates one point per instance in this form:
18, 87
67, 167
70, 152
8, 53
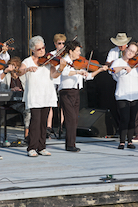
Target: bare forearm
118, 69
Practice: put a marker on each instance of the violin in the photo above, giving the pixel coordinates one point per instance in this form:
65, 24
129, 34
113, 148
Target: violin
3, 65
50, 59
133, 62
82, 63
8, 42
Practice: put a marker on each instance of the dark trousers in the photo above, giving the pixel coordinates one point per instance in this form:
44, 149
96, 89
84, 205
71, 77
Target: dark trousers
70, 101
127, 112
37, 129
136, 123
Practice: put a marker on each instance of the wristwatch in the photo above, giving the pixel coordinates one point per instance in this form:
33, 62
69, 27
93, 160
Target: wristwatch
4, 72
59, 71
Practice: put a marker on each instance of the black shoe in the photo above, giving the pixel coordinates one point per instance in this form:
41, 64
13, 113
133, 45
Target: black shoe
73, 149
131, 146
51, 133
121, 146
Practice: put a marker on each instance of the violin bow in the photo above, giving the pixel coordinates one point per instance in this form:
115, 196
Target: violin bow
89, 60
51, 58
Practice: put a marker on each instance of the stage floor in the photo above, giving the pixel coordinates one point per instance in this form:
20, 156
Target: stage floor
67, 173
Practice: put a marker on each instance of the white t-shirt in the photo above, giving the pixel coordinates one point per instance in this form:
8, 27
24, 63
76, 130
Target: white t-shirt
113, 54
127, 83
71, 81
39, 88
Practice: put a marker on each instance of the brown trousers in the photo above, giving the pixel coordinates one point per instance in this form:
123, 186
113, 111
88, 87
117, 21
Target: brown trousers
37, 129
70, 101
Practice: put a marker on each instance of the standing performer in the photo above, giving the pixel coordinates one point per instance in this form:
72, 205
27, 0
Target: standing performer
71, 82
126, 94
39, 94
59, 42
121, 42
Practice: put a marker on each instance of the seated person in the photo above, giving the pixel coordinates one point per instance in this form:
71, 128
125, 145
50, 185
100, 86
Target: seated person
15, 83
2, 75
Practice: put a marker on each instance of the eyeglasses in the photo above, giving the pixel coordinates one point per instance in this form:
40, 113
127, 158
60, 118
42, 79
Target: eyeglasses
59, 43
42, 48
133, 52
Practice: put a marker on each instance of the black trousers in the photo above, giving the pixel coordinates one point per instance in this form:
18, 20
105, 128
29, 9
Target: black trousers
37, 129
127, 112
70, 101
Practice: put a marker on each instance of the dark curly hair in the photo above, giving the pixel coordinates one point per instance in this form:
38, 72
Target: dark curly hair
71, 45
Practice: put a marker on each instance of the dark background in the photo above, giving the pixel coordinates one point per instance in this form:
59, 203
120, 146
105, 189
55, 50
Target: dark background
103, 19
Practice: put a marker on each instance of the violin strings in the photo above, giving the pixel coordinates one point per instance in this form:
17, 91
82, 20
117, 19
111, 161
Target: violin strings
51, 58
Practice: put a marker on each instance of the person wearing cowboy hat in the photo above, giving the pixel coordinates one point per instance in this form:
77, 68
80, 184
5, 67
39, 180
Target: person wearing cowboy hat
126, 94
121, 42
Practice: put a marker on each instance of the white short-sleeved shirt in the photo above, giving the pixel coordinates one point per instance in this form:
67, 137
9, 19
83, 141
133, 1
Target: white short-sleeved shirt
39, 88
5, 56
74, 81
113, 54
127, 83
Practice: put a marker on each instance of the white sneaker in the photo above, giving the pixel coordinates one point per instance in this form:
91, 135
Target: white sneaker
32, 153
44, 152
1, 157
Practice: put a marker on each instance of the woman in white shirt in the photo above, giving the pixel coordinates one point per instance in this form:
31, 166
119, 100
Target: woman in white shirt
71, 82
39, 94
126, 94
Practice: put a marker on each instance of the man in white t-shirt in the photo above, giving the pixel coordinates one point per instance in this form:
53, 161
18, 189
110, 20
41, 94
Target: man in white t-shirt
121, 42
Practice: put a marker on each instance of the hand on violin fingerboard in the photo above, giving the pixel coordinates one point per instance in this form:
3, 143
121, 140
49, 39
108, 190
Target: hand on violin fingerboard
5, 48
63, 64
104, 68
9, 68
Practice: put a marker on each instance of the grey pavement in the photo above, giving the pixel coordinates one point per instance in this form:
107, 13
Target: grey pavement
66, 173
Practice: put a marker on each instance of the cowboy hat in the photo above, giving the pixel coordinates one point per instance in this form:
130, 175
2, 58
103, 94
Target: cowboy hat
121, 39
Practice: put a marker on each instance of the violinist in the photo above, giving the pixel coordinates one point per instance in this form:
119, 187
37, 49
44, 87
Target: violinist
71, 82
126, 94
59, 42
121, 42
39, 95
15, 83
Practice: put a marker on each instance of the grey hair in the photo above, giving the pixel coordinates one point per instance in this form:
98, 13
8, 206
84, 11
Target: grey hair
34, 41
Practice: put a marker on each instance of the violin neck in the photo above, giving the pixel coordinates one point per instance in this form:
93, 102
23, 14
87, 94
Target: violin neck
95, 64
10, 41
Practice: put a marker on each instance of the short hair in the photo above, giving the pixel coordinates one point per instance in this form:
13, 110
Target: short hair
34, 41
16, 60
59, 37
71, 45
133, 43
